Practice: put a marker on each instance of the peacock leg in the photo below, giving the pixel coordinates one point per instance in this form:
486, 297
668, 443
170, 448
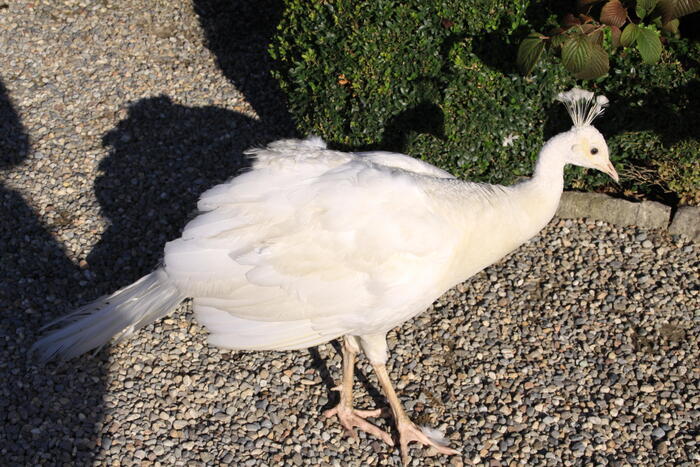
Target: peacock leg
349, 416
408, 431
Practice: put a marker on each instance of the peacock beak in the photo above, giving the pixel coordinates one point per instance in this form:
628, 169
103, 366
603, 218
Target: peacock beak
610, 170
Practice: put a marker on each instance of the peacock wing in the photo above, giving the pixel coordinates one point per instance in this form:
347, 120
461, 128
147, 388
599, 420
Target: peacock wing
333, 246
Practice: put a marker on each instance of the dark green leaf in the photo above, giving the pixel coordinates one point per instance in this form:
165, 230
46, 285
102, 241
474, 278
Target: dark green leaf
671, 26
629, 35
597, 65
649, 45
644, 7
558, 40
529, 52
577, 53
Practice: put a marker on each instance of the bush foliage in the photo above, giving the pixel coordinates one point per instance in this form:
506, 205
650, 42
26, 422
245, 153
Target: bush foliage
439, 81
584, 39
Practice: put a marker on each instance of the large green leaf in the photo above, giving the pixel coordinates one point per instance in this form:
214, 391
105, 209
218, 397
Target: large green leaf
629, 35
576, 52
529, 52
598, 64
649, 44
644, 7
584, 57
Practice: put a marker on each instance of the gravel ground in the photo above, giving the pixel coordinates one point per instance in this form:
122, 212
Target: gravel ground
580, 348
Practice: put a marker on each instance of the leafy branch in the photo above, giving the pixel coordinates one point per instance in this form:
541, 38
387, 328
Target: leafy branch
600, 26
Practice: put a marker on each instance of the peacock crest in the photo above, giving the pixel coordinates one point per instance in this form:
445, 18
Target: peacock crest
583, 106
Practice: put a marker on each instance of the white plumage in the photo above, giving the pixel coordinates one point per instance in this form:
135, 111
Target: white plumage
316, 243
313, 244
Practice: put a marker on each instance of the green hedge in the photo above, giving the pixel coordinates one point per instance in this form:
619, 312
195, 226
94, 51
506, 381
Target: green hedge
437, 80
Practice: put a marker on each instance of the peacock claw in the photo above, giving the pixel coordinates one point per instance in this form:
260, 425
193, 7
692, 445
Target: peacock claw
408, 431
351, 418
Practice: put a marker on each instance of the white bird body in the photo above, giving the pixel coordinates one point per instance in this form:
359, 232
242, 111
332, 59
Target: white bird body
312, 244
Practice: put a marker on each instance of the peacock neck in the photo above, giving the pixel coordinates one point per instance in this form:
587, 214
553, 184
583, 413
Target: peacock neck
499, 219
538, 198
549, 169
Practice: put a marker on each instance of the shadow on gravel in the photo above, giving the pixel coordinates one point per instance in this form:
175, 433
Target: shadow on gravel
164, 155
45, 416
239, 33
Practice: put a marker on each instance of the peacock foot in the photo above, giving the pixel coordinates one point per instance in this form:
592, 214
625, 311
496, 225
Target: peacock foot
351, 418
408, 432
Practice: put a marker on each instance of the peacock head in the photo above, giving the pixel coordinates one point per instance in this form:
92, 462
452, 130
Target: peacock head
588, 147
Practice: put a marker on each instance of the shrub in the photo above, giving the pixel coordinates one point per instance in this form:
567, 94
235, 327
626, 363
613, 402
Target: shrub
652, 126
601, 25
438, 80
348, 66
679, 171
494, 123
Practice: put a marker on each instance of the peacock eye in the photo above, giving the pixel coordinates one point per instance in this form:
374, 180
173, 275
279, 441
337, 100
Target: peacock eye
594, 150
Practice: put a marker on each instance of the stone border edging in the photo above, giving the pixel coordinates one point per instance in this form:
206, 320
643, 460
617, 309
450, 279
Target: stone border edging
647, 214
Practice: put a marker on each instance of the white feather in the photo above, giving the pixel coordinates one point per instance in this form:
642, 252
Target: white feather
404, 162
582, 105
435, 435
125, 311
231, 332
